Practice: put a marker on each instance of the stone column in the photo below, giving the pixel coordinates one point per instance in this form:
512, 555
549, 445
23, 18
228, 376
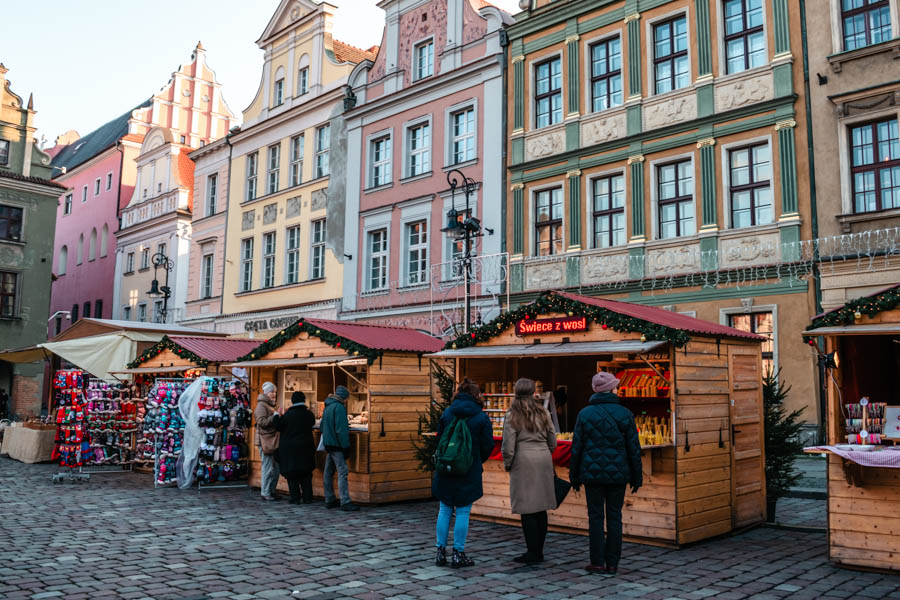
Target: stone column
575, 212
637, 197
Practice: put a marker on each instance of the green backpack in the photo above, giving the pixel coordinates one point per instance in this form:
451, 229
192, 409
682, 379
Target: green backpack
454, 451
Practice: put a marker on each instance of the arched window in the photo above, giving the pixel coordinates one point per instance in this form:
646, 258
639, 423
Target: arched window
303, 75
92, 245
63, 260
104, 234
278, 91
79, 252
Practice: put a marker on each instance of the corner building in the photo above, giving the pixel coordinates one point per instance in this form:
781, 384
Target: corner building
278, 266
654, 158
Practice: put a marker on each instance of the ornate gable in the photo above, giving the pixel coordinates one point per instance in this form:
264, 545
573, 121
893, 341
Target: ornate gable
287, 13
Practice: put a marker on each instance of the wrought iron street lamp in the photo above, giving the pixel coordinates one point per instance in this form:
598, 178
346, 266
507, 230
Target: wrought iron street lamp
464, 230
161, 261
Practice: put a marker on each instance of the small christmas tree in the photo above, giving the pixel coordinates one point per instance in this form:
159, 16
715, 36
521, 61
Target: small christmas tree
782, 440
429, 420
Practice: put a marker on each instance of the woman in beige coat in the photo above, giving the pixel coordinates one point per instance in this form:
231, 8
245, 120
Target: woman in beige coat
528, 441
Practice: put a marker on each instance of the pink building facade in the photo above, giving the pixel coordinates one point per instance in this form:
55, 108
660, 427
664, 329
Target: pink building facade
429, 106
100, 171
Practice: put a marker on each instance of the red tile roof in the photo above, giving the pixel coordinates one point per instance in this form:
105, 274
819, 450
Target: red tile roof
347, 53
664, 317
380, 337
215, 349
28, 179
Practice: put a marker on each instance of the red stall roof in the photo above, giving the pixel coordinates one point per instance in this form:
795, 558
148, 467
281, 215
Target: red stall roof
664, 317
380, 337
215, 349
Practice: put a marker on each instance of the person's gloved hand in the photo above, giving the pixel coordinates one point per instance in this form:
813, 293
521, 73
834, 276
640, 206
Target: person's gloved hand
635, 488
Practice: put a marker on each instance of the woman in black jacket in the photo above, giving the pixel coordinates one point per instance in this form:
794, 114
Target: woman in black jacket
297, 449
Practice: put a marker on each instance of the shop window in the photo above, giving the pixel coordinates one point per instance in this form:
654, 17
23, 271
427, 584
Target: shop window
273, 171
323, 142
424, 55
9, 287
875, 166
212, 183
548, 211
268, 271
378, 260
865, 22
317, 249
416, 253
462, 132
675, 199
760, 323
252, 167
750, 186
380, 160
11, 223
246, 264
609, 211
548, 92
296, 173
418, 149
671, 67
606, 74
292, 258
745, 39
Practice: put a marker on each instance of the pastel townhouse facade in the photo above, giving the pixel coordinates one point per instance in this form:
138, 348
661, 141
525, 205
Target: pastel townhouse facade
100, 171
27, 222
429, 110
656, 154
277, 263
854, 99
206, 264
153, 240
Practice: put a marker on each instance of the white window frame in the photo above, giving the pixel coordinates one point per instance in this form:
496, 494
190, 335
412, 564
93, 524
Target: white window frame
317, 248
67, 204
562, 184
245, 281
417, 75
161, 248
723, 62
388, 162
589, 207
410, 213
371, 255
725, 175
407, 129
303, 81
837, 25
267, 272
278, 91
4, 152
97, 185
251, 174
449, 154
142, 312
320, 152
654, 195
843, 137
296, 168
109, 177
373, 221
145, 258
587, 70
129, 262
84, 193
207, 266
651, 53
273, 174
126, 312
724, 313
532, 79
292, 251
212, 192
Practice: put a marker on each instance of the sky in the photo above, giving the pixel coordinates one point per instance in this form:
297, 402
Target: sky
88, 61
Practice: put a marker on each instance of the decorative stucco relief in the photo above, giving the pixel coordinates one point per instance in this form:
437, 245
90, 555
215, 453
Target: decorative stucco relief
545, 276
474, 25
318, 199
671, 111
247, 219
270, 213
545, 145
293, 207
751, 250
603, 130
604, 269
734, 94
673, 261
415, 26
12, 256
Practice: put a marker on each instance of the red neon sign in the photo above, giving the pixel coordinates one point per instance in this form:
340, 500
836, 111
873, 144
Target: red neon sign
555, 325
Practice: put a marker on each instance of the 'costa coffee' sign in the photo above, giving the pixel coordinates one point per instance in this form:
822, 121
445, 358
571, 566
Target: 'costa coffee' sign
556, 325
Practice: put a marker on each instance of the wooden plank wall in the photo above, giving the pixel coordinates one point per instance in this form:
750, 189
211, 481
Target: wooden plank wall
399, 390
703, 472
167, 358
864, 520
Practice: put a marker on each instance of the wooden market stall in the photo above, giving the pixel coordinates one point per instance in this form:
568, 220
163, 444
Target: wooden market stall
179, 354
390, 385
695, 388
862, 352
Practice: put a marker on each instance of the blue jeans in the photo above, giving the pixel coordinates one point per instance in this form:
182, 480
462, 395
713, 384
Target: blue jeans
460, 527
335, 461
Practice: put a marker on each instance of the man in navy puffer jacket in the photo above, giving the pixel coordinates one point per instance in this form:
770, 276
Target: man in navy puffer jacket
606, 456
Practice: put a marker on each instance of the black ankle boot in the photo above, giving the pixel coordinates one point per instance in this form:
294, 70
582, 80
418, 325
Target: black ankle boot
460, 560
440, 557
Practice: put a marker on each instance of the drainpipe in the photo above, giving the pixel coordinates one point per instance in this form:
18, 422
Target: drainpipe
504, 43
225, 236
814, 218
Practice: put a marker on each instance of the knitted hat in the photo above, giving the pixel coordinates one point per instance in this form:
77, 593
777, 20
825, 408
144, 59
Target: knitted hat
341, 392
604, 382
298, 397
268, 387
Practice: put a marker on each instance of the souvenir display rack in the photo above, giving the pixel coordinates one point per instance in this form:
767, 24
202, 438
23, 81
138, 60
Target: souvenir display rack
111, 422
72, 443
163, 428
224, 417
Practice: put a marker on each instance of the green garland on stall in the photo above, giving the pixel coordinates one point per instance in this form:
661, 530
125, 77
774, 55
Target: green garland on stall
549, 302
288, 333
166, 344
855, 309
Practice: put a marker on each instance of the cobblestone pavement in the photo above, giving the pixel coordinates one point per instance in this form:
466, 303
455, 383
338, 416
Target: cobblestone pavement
802, 512
117, 537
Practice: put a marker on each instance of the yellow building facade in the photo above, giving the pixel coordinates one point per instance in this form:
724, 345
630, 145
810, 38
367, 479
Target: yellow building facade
277, 264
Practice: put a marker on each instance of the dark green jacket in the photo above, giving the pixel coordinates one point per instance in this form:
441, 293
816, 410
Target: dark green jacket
606, 448
335, 426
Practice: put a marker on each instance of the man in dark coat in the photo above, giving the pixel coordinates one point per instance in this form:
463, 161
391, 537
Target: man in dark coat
606, 456
458, 492
297, 448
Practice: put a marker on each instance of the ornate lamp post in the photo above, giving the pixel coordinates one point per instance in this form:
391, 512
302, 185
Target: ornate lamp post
464, 230
161, 261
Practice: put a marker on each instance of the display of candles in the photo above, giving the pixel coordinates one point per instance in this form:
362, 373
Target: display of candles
643, 383
497, 387
653, 431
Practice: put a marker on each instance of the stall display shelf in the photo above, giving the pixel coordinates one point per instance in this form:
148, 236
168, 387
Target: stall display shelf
163, 428
224, 418
111, 414
72, 443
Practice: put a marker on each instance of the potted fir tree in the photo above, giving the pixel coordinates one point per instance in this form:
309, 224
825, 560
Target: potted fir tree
782, 441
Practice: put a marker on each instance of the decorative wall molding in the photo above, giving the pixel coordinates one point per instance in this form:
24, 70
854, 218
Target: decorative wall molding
749, 90
603, 129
